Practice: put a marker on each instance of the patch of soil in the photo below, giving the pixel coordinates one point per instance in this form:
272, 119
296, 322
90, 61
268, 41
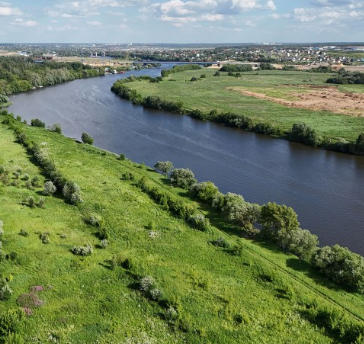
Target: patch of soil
326, 98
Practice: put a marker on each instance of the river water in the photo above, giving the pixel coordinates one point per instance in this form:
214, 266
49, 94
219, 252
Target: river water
326, 189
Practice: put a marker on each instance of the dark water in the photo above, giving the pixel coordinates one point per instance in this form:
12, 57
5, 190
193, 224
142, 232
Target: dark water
326, 189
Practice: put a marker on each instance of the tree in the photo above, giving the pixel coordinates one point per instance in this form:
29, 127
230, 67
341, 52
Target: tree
205, 191
49, 188
274, 218
86, 138
303, 133
183, 178
238, 211
164, 167
3, 99
359, 145
300, 242
37, 123
56, 128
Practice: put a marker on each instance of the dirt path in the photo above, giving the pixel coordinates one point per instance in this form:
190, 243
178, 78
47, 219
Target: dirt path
323, 98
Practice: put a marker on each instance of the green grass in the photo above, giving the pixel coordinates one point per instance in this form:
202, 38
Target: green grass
212, 93
256, 297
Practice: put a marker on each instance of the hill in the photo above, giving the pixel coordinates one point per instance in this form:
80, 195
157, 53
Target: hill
117, 267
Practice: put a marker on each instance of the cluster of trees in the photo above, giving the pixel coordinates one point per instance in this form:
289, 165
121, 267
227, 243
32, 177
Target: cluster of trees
277, 223
236, 68
20, 74
345, 77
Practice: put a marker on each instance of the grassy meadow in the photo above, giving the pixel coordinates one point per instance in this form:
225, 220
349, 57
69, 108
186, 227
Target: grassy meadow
221, 93
207, 294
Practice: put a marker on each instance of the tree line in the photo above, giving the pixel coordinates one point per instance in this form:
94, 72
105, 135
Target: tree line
270, 222
21, 74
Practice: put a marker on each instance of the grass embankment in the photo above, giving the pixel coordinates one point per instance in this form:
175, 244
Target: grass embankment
222, 94
259, 295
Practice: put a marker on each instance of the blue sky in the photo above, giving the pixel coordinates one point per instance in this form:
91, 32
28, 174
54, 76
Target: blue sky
181, 21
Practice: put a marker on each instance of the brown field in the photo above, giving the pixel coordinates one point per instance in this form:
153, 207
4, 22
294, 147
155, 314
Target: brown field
327, 98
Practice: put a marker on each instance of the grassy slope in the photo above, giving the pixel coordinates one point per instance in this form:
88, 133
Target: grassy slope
89, 303
211, 93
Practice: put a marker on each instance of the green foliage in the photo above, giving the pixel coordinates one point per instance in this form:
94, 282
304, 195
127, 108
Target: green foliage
164, 167
49, 188
193, 78
303, 133
199, 222
275, 218
340, 265
87, 138
236, 68
82, 250
44, 237
346, 77
56, 128
359, 145
37, 123
205, 191
72, 193
10, 321
183, 178
5, 290
4, 99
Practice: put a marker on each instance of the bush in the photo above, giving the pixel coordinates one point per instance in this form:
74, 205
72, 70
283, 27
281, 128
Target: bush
37, 123
72, 193
10, 321
49, 188
35, 181
183, 178
86, 138
56, 128
199, 222
82, 250
5, 291
44, 237
146, 284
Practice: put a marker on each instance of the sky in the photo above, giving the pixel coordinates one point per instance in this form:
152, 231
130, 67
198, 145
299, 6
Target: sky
181, 21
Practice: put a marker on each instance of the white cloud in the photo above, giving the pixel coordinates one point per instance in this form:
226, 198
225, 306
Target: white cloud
21, 22
94, 23
7, 10
179, 12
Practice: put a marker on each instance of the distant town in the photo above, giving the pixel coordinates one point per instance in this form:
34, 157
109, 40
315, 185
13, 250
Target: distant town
306, 55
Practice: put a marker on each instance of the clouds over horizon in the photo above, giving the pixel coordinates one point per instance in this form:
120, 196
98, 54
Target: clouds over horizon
251, 20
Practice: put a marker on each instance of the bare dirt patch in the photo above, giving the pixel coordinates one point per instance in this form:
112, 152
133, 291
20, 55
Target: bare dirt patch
326, 98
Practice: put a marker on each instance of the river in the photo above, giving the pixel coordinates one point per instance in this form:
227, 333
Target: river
326, 189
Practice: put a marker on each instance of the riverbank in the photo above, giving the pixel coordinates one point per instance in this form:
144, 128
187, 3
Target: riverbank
204, 284
266, 102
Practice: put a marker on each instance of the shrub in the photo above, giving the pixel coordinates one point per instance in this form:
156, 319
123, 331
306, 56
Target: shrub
86, 138
199, 222
56, 128
121, 157
146, 284
94, 220
23, 233
220, 242
31, 202
44, 237
37, 123
183, 177
35, 181
49, 188
156, 294
193, 78
71, 192
104, 233
82, 250
104, 243
10, 321
5, 291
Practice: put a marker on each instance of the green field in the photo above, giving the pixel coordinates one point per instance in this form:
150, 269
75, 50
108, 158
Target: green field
214, 93
259, 295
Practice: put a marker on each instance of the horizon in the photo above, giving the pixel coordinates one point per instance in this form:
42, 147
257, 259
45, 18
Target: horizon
178, 21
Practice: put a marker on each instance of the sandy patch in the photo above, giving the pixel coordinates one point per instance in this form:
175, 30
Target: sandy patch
318, 98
